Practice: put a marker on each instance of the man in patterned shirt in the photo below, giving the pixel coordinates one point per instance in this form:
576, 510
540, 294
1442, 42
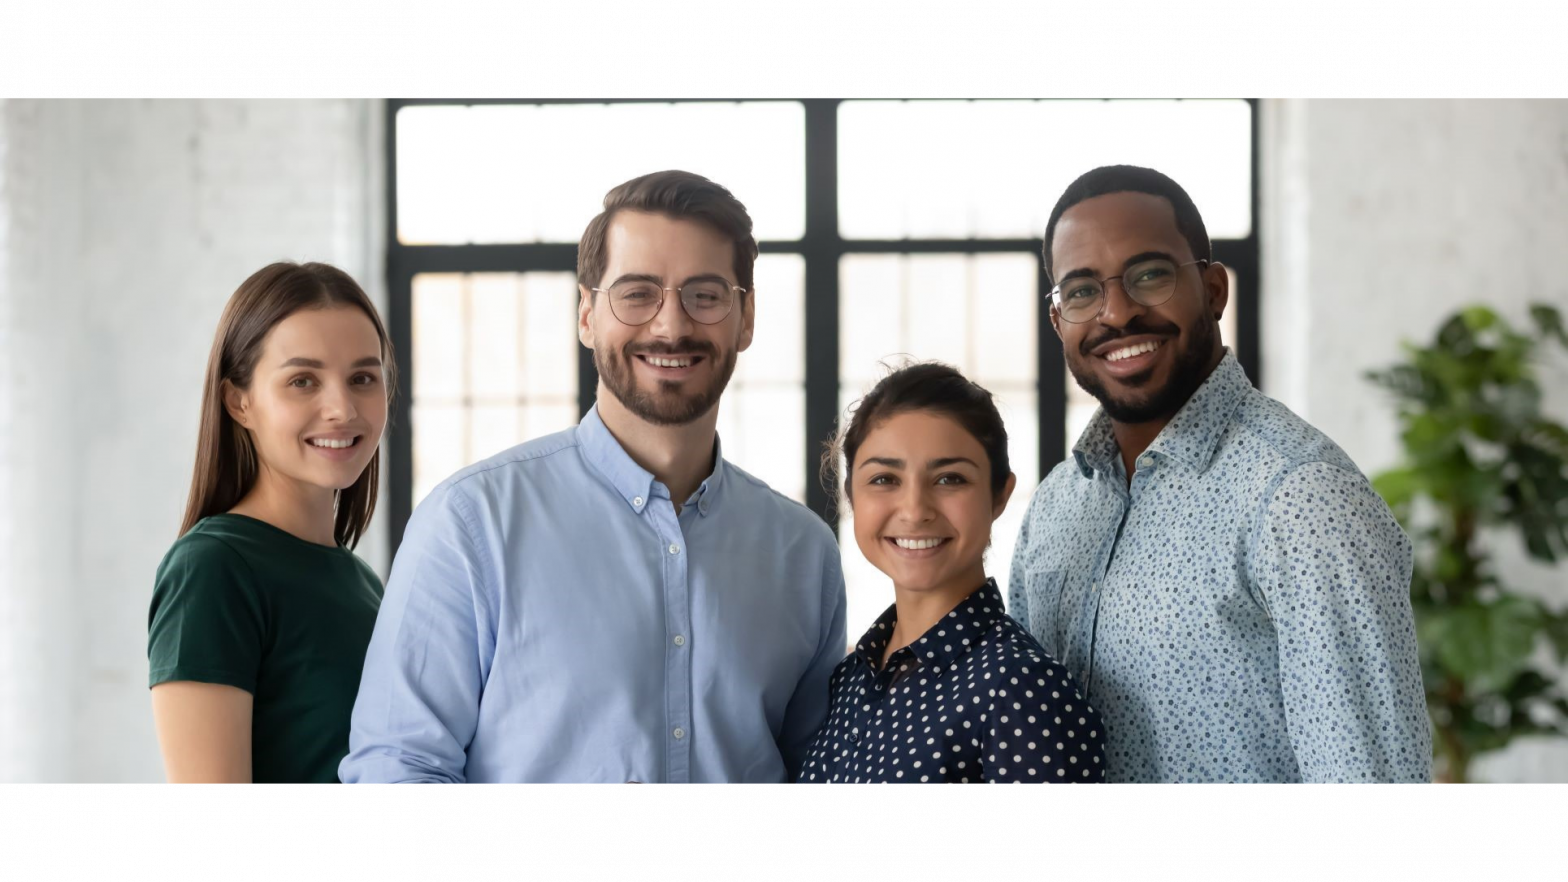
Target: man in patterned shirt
1222, 580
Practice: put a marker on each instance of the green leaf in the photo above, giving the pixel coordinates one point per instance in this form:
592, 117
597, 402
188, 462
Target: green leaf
1404, 381
1549, 321
1517, 405
1528, 686
1455, 337
1448, 563
1557, 630
1550, 436
1487, 644
1429, 436
1397, 486
1478, 318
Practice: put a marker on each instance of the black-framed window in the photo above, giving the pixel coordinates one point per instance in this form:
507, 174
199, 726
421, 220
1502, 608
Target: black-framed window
886, 228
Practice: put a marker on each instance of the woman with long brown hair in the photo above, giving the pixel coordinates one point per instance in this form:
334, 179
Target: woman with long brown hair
261, 612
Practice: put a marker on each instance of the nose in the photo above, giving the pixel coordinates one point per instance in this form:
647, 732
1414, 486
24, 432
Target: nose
337, 405
1119, 308
914, 504
671, 322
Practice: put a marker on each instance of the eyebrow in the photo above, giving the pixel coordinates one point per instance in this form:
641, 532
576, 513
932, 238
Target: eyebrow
367, 361
637, 277
950, 460
659, 280
932, 464
1086, 272
707, 277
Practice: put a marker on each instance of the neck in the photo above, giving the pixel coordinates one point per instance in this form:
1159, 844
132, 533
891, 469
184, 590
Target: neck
680, 457
302, 510
1132, 439
919, 610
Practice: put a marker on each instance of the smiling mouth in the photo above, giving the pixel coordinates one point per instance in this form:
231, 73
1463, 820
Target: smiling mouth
919, 544
671, 362
335, 443
916, 551
1132, 351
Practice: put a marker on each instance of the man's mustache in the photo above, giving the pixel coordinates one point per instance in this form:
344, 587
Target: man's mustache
1131, 330
683, 346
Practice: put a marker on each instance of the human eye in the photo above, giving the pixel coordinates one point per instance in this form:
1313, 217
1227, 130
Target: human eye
303, 381
882, 480
641, 293
1078, 292
1150, 273
951, 479
365, 379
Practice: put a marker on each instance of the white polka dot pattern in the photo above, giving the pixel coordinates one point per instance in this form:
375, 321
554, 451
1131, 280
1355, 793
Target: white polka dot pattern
973, 700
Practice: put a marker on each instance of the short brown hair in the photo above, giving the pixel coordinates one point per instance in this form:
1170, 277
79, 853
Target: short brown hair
677, 194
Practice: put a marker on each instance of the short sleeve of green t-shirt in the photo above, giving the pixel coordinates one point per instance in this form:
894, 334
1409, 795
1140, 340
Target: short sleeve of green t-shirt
207, 620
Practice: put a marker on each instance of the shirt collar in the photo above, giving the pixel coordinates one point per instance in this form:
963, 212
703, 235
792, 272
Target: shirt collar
944, 642
634, 483
1192, 434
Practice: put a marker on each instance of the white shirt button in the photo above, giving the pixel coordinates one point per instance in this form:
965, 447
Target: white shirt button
679, 640
637, 501
675, 549
679, 733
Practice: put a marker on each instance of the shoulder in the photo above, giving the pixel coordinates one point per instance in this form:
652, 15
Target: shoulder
211, 546
1272, 439
781, 512
529, 456
1012, 644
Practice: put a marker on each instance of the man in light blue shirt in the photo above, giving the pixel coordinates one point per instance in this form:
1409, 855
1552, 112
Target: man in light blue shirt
1229, 590
615, 602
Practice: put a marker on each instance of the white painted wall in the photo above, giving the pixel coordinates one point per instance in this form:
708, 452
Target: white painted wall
124, 228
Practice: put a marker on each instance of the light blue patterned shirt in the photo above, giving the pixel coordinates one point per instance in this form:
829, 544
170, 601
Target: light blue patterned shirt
551, 618
1242, 612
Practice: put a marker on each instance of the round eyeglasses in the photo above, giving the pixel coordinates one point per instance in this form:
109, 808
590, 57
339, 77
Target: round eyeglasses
706, 301
1148, 282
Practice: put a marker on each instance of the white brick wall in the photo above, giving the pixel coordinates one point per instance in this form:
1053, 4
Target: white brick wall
129, 224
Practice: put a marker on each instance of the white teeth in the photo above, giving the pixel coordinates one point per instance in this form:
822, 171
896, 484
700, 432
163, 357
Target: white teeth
1130, 351
669, 362
335, 445
917, 544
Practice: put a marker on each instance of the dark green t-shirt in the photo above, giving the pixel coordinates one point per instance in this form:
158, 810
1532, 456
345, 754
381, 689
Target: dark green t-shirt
243, 603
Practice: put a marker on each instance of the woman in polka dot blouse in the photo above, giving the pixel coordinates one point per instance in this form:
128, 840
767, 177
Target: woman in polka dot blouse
945, 686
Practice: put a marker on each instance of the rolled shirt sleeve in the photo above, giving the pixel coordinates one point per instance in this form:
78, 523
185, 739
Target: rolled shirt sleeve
808, 708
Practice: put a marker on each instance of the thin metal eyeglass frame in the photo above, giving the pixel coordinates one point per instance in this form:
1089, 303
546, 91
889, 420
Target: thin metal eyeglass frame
736, 289
1055, 297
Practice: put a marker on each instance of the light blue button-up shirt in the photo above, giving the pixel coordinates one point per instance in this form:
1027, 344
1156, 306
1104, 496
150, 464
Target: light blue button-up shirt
1241, 612
551, 618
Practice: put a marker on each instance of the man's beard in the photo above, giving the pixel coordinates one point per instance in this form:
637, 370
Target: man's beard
668, 406
1187, 374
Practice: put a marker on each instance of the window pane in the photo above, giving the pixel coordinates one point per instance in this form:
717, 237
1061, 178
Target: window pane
438, 326
549, 338
539, 420
494, 356
760, 430
765, 403
495, 363
975, 312
440, 444
494, 428
538, 173
994, 169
